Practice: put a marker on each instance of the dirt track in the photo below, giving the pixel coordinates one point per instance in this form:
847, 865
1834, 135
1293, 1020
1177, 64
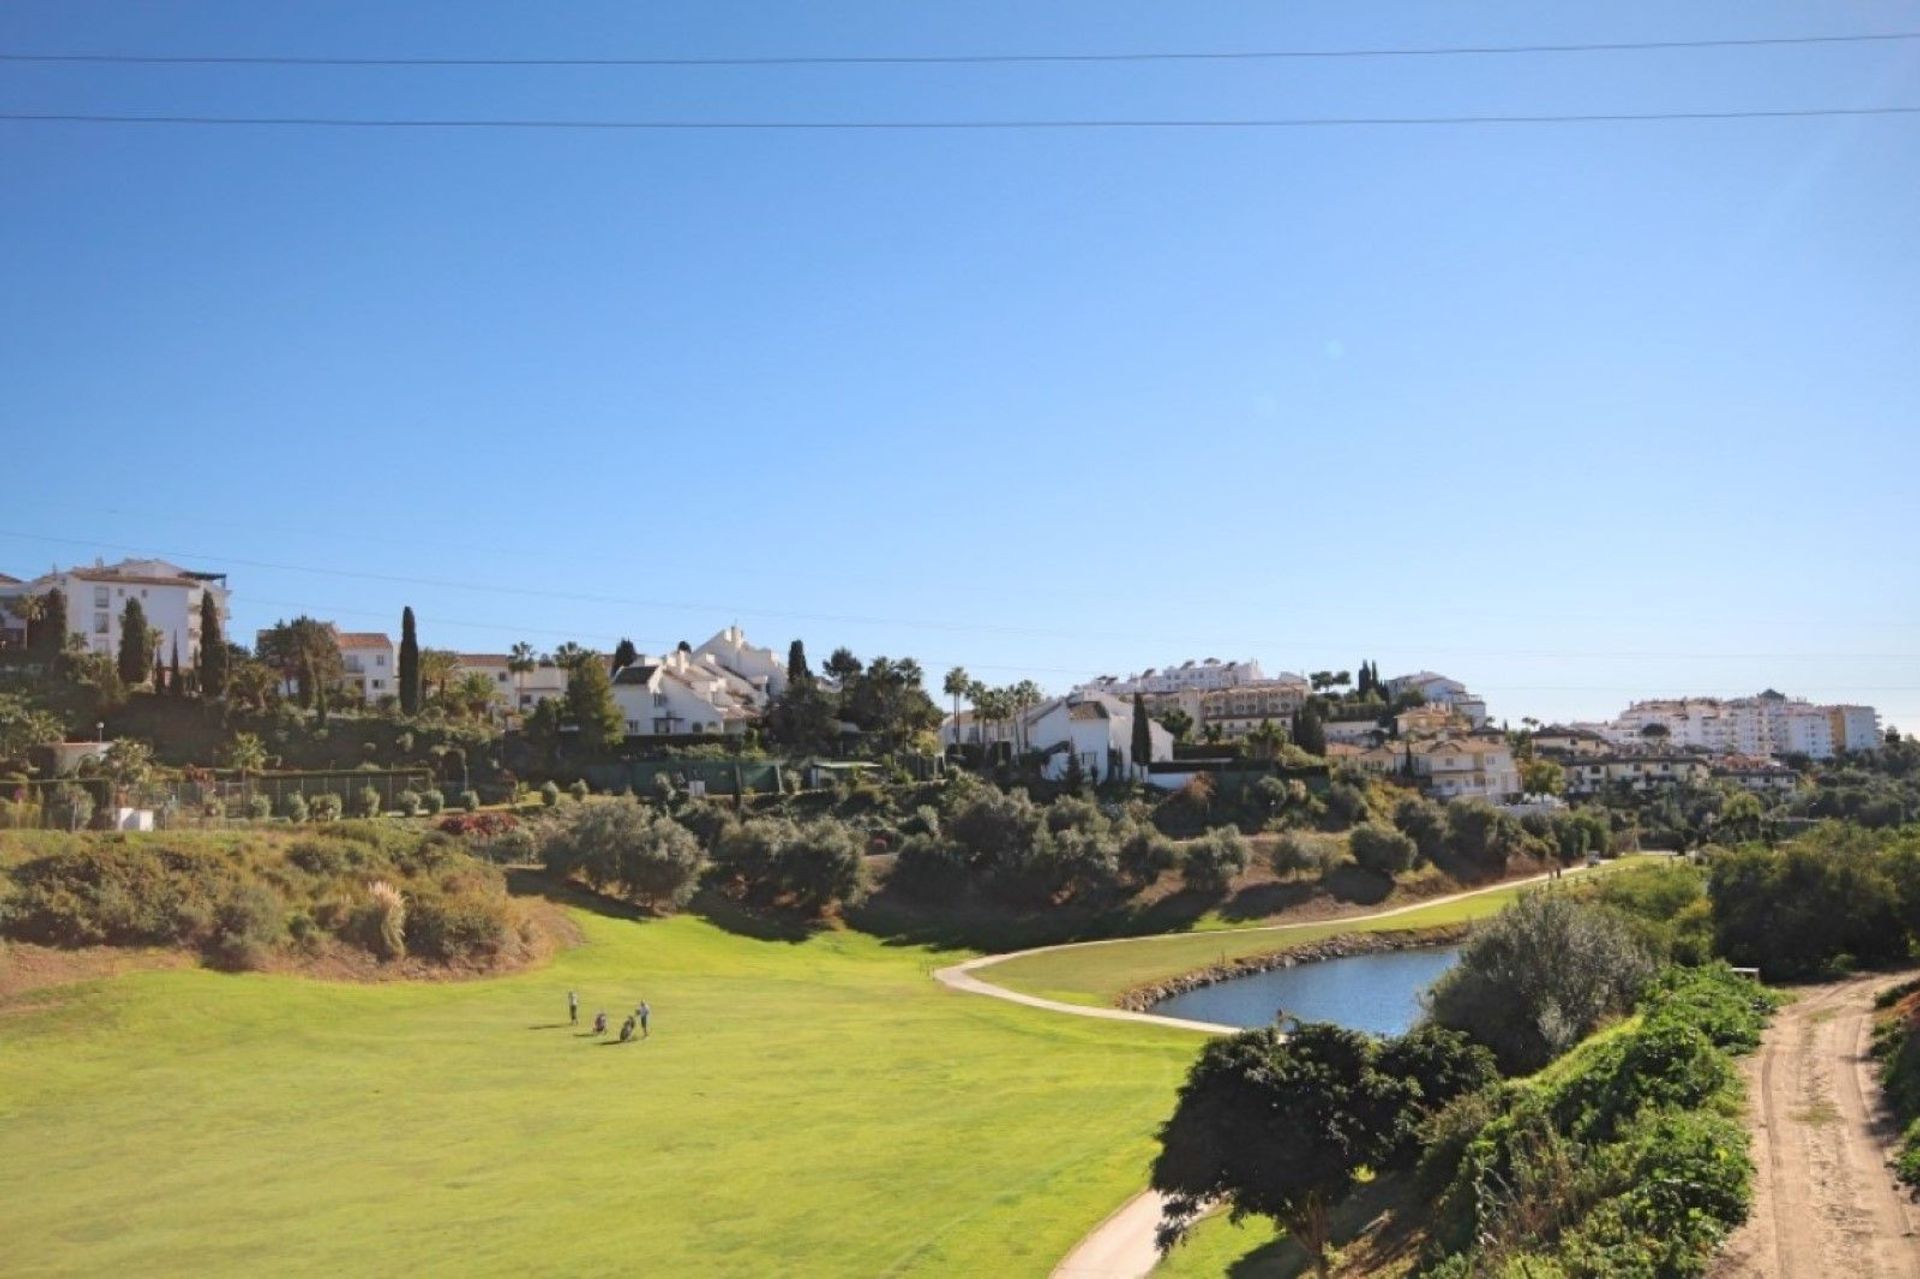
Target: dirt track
1825, 1202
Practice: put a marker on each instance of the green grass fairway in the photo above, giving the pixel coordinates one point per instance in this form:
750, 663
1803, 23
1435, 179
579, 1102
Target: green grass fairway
1101, 972
813, 1108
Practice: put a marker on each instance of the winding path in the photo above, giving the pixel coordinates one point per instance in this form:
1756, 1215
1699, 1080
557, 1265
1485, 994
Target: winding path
1825, 1202
1122, 1246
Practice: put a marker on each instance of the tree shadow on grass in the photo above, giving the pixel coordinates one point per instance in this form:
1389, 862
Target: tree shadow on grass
725, 913
1258, 901
529, 881
1360, 887
985, 925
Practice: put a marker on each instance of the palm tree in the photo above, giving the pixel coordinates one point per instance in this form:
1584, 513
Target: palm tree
474, 694
437, 667
520, 661
247, 754
956, 686
1026, 696
569, 655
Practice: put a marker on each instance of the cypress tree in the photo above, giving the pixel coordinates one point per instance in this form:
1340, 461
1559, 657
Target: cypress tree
625, 655
174, 683
136, 645
159, 672
409, 664
1142, 736
213, 648
797, 672
47, 634
1308, 732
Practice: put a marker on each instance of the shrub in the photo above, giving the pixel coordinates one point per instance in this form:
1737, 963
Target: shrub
579, 789
515, 846
1381, 849
366, 802
410, 803
550, 795
1346, 803
622, 847
293, 807
1480, 838
1144, 854
324, 808
458, 926
929, 869
247, 925
1291, 853
477, 825
259, 808
1425, 823
1215, 859
1539, 977
432, 801
470, 800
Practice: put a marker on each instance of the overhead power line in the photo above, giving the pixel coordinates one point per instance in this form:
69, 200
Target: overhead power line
908, 126
960, 59
711, 608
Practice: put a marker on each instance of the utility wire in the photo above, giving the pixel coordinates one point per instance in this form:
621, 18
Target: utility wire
959, 59
905, 126
838, 619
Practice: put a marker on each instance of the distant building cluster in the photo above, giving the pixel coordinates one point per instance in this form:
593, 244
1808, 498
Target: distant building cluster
1760, 727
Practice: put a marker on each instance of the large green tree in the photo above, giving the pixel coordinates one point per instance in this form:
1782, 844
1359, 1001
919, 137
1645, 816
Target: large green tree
22, 727
409, 663
1309, 733
136, 644
306, 653
797, 668
46, 618
215, 658
591, 707
1281, 1125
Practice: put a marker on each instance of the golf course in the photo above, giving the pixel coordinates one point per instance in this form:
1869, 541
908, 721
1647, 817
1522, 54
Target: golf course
813, 1107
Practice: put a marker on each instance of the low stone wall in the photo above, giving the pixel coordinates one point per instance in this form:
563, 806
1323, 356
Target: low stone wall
1142, 998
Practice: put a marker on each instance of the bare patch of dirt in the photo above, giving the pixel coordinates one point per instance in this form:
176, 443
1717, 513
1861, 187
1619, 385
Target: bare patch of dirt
25, 967
1825, 1201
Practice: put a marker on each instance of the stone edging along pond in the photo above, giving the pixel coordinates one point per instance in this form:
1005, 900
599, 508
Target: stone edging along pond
1142, 998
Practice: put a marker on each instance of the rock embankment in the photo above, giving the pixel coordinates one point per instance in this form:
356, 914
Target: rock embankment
1143, 998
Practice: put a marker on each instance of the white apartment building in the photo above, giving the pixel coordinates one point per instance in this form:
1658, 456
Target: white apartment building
1589, 774
370, 663
97, 597
1191, 676
495, 668
1764, 725
1439, 690
1242, 708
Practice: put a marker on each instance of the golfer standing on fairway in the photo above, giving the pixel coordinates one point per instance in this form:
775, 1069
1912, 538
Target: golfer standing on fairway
643, 1012
573, 1007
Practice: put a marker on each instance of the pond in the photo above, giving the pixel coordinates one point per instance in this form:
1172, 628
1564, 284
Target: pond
1378, 993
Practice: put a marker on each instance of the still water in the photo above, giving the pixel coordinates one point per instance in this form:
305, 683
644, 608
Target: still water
1377, 993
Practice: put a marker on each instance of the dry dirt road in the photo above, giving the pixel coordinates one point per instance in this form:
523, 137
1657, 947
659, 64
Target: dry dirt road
1825, 1202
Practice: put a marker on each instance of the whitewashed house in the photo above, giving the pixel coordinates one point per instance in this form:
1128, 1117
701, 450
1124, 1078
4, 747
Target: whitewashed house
761, 667
370, 664
1096, 728
678, 695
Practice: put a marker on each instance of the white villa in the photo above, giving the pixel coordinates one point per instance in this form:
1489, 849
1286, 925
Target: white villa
682, 694
1767, 724
1095, 727
371, 663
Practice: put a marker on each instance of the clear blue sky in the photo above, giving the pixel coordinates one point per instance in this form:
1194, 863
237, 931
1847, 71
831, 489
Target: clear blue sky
1573, 413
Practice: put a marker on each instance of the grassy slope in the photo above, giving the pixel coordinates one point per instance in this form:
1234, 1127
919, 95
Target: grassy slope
1099, 974
811, 1108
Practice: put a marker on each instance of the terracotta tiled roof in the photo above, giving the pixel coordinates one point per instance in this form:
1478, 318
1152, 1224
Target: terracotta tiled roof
364, 639
481, 659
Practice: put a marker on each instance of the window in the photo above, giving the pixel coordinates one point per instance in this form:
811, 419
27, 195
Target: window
379, 683
633, 728
99, 597
99, 623
659, 699
379, 659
